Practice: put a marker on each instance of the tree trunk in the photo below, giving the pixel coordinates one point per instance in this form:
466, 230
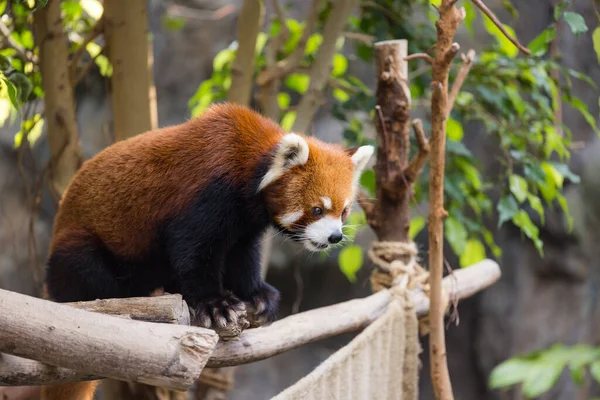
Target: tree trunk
61, 123
130, 53
242, 72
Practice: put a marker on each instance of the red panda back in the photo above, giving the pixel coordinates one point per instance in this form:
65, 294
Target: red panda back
125, 191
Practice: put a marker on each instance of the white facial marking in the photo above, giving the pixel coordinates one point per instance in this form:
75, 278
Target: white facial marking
319, 231
287, 220
292, 150
326, 202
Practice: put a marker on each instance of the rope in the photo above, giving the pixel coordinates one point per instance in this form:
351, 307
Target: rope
397, 266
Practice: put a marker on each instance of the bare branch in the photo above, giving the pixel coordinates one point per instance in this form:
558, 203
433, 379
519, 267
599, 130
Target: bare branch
242, 70
423, 56
23, 52
416, 165
361, 37
451, 53
96, 31
497, 22
460, 78
367, 204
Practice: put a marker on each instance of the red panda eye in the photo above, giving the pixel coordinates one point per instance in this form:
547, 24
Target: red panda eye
345, 213
316, 211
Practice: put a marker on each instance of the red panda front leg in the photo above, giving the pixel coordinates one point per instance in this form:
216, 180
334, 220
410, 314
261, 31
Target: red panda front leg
242, 277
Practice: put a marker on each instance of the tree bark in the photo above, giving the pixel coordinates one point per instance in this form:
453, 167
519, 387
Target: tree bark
130, 53
242, 71
61, 124
321, 68
254, 344
165, 355
390, 218
447, 25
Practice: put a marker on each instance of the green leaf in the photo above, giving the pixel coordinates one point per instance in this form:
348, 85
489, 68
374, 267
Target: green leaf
288, 120
454, 129
507, 209
340, 65
313, 43
536, 204
522, 220
341, 95
559, 8
562, 201
456, 234
576, 22
13, 94
582, 107
298, 82
518, 187
515, 98
173, 23
595, 370
367, 180
509, 373
506, 46
33, 127
473, 253
541, 378
223, 58
283, 100
596, 40
350, 260
539, 45
354, 223
416, 225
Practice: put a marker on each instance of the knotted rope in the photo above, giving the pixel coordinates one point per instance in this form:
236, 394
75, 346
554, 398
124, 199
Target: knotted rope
397, 265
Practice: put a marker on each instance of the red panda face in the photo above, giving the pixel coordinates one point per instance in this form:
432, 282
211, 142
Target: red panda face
310, 187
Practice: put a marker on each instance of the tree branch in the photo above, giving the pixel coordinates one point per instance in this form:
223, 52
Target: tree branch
497, 22
416, 165
423, 56
460, 78
242, 71
257, 344
96, 31
319, 72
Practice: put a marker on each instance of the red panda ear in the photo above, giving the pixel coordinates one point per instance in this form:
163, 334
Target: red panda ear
360, 157
291, 151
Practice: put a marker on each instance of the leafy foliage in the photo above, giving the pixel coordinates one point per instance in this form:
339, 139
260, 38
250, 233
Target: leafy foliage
538, 371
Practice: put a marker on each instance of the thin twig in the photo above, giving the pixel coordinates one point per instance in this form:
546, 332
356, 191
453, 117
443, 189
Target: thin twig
96, 30
423, 56
416, 165
451, 53
460, 78
497, 22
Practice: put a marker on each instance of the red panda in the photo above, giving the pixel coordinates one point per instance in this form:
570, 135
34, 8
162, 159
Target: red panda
184, 207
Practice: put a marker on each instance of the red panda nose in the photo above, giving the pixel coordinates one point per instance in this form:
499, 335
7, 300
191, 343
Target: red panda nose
335, 237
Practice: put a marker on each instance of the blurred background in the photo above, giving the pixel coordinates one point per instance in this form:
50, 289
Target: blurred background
522, 184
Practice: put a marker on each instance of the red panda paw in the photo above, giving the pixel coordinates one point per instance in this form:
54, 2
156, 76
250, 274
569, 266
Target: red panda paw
263, 305
225, 314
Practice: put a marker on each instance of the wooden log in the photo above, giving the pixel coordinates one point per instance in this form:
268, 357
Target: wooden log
169, 309
170, 356
286, 334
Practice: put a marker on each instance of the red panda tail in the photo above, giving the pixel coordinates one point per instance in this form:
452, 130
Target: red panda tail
70, 391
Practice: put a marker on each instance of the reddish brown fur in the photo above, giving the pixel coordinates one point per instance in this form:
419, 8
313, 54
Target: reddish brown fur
158, 175
67, 391
328, 172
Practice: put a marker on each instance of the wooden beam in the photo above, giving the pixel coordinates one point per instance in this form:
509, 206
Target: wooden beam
258, 344
166, 355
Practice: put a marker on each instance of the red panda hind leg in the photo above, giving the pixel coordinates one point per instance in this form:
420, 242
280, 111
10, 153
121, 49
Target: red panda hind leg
70, 391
